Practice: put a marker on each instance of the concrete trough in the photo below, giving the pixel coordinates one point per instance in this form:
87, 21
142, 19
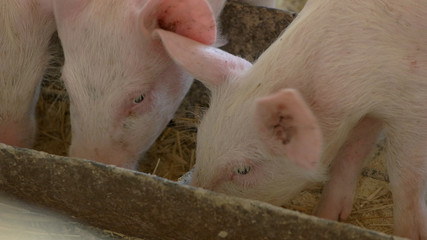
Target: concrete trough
135, 204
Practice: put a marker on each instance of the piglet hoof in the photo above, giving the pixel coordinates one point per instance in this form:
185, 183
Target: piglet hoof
334, 208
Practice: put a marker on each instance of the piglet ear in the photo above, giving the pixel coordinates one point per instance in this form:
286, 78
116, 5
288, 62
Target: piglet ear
190, 18
289, 128
210, 65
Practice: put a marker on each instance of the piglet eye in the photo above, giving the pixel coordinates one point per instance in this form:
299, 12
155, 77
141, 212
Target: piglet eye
243, 170
139, 99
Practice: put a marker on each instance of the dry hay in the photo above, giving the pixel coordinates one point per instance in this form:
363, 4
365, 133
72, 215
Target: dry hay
54, 133
53, 116
173, 154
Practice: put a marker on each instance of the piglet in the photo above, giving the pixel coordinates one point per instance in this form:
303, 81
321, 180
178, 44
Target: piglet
26, 27
123, 86
313, 105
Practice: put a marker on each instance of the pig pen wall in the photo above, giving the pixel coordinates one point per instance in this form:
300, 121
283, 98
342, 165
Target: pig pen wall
249, 31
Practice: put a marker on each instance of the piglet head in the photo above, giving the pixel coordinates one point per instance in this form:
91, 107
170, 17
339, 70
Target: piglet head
265, 148
123, 86
254, 141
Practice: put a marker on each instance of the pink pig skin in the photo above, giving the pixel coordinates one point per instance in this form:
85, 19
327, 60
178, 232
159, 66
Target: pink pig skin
123, 86
26, 27
313, 106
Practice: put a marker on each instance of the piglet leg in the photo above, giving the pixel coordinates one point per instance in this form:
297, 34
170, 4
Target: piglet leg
407, 168
338, 194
